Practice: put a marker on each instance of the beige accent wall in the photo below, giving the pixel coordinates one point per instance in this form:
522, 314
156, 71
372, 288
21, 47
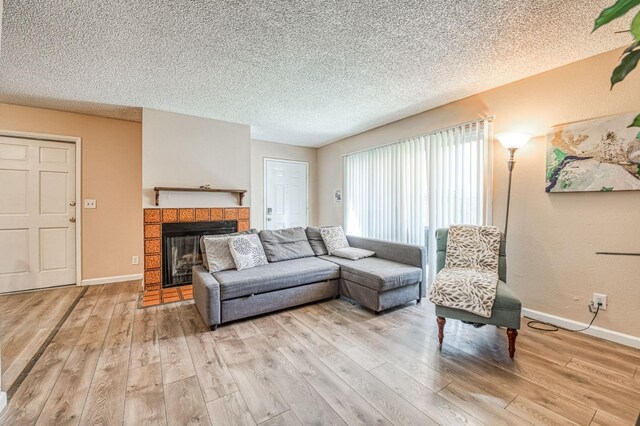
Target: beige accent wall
261, 150
185, 151
111, 174
552, 265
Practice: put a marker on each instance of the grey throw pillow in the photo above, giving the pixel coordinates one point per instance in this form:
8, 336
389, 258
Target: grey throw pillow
334, 238
217, 256
285, 244
315, 240
220, 255
353, 253
247, 251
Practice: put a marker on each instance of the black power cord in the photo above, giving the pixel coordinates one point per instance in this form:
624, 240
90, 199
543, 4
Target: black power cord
535, 324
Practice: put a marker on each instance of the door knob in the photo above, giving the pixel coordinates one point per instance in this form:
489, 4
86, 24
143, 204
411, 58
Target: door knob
72, 219
268, 219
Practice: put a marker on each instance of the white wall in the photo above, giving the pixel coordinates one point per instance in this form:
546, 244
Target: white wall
552, 265
184, 151
261, 150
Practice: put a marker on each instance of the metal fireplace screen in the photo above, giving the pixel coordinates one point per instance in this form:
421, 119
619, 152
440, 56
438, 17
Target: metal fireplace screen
181, 248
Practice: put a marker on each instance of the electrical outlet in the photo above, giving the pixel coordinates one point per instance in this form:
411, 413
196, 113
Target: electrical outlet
90, 204
600, 299
135, 260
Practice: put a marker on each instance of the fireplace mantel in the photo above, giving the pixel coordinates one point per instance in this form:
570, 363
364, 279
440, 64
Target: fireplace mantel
239, 192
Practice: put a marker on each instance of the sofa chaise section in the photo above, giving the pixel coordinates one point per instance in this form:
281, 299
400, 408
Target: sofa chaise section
395, 276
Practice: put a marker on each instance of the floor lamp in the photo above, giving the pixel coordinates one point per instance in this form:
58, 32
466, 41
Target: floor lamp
511, 141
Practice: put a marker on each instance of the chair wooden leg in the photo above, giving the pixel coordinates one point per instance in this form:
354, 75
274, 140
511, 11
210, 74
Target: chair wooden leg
512, 334
441, 322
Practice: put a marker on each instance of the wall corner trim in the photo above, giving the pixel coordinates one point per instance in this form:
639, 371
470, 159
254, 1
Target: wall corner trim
603, 333
115, 279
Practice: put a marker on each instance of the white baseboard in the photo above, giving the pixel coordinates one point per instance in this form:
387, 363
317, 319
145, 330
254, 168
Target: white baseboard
116, 279
3, 400
603, 333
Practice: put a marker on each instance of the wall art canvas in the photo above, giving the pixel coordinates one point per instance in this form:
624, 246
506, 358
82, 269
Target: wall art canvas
594, 155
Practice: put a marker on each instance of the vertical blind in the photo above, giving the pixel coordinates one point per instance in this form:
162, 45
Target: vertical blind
405, 191
386, 193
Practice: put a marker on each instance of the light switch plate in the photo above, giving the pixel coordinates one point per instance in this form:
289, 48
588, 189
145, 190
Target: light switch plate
90, 204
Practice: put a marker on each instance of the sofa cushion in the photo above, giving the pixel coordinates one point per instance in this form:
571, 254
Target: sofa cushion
247, 251
334, 238
377, 274
216, 255
275, 276
203, 248
315, 240
285, 244
353, 253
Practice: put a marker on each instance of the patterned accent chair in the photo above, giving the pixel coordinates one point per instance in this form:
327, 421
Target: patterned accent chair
507, 308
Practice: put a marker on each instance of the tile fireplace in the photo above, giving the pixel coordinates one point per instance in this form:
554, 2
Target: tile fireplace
170, 240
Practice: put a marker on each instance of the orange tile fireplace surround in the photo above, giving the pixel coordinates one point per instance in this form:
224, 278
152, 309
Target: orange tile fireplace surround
153, 220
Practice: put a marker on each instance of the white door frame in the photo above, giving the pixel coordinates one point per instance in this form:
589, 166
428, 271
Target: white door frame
78, 142
264, 186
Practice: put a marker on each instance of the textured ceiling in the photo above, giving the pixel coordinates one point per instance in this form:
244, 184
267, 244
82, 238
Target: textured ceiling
299, 72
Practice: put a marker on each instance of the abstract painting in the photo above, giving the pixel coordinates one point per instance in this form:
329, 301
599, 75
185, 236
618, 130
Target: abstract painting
594, 155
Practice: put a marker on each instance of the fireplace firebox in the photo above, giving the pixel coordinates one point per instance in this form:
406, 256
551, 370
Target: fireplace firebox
181, 248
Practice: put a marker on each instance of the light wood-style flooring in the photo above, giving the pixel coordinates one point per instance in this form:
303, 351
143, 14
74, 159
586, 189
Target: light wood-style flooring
324, 363
26, 321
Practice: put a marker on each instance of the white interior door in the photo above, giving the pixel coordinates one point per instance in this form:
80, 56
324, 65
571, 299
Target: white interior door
285, 194
37, 214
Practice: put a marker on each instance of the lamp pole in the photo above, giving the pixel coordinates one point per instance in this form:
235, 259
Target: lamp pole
510, 164
511, 141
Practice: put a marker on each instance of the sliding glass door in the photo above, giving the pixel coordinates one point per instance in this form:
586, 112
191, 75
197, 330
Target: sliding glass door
404, 191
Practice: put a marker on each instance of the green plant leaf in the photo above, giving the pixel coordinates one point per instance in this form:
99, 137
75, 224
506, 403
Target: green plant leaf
627, 64
635, 27
636, 123
631, 47
620, 8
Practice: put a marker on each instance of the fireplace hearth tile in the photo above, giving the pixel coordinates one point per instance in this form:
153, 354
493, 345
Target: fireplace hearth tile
216, 214
148, 298
230, 214
202, 215
151, 215
243, 214
147, 303
152, 246
169, 215
152, 276
243, 225
186, 215
152, 231
152, 262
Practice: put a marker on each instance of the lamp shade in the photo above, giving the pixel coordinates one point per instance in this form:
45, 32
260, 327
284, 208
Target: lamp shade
513, 140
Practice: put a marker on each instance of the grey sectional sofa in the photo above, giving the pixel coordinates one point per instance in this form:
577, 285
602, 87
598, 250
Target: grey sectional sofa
394, 276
